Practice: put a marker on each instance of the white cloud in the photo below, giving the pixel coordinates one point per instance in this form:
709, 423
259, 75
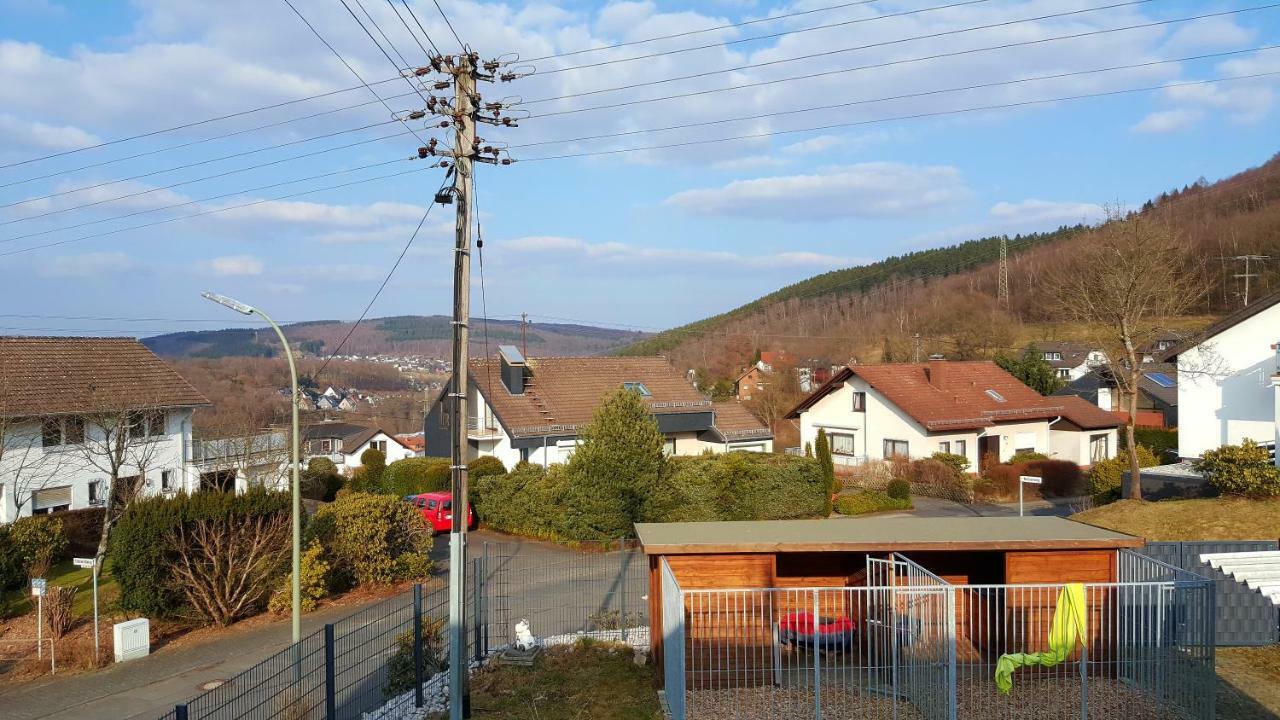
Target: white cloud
1045, 212
1166, 121
821, 143
100, 264
37, 135
1208, 34
236, 265
553, 248
865, 190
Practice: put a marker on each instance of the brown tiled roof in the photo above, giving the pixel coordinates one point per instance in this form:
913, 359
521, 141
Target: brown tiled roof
735, 422
561, 393
351, 434
963, 402
62, 375
1085, 414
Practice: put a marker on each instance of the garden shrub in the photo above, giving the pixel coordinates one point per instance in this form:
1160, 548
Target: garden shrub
83, 530
1163, 442
320, 480
373, 539
870, 475
1060, 478
822, 450
400, 675
1026, 457
937, 478
12, 574
1002, 480
1105, 476
869, 501
899, 490
1245, 469
37, 542
315, 582
484, 467
526, 501
959, 463
143, 545
739, 486
412, 476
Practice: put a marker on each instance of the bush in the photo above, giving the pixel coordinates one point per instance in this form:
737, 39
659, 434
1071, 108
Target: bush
144, 544
899, 490
1060, 478
937, 478
12, 574
412, 476
739, 486
1106, 475
1026, 457
822, 450
373, 539
1245, 469
1002, 480
83, 529
958, 463
321, 481
37, 542
869, 501
400, 675
484, 467
1162, 442
526, 501
315, 582
58, 613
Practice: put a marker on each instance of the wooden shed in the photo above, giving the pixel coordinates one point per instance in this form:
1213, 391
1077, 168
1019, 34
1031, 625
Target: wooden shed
965, 552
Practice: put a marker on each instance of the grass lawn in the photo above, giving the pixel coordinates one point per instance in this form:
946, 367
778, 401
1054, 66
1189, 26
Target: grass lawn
65, 574
1254, 672
1211, 519
594, 681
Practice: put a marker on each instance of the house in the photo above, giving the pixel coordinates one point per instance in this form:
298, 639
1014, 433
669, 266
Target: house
1070, 360
1228, 380
970, 408
64, 402
751, 382
814, 372
416, 442
1157, 393
531, 410
235, 464
344, 442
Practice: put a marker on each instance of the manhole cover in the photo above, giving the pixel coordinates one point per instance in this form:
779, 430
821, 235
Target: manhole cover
212, 684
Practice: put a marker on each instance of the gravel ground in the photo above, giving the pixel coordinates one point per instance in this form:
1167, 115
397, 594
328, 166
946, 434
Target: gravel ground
1031, 700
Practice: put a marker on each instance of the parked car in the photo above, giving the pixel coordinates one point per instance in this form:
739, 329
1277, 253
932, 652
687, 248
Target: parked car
437, 509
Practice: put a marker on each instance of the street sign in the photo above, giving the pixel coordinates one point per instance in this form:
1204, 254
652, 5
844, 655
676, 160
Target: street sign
38, 586
82, 562
1030, 479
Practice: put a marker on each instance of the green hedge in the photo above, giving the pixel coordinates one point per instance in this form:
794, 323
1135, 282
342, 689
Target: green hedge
28, 541
141, 547
869, 501
373, 540
1106, 475
412, 476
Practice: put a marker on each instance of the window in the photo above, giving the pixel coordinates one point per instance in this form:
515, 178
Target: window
379, 445
73, 431
760, 385
136, 424
156, 422
637, 387
859, 402
995, 396
669, 446
944, 447
895, 448
1064, 372
51, 500
95, 492
1053, 356
55, 432
960, 448
166, 480
524, 454
326, 446
431, 505
841, 443
51, 433
1098, 448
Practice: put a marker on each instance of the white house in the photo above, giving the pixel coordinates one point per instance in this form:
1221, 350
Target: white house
973, 409
1228, 380
1070, 360
531, 410
344, 442
63, 402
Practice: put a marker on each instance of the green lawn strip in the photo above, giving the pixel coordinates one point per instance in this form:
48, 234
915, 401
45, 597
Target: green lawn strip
64, 574
869, 501
597, 681
1207, 519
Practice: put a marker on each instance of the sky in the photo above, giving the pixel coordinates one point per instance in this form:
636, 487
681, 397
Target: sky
809, 136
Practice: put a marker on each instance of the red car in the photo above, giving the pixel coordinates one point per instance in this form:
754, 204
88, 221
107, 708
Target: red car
437, 509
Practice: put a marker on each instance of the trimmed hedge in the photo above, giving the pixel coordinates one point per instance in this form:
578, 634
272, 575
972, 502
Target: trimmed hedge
869, 501
373, 540
141, 548
485, 466
1061, 478
415, 475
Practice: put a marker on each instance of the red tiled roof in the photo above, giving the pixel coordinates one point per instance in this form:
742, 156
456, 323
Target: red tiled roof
415, 442
63, 375
959, 395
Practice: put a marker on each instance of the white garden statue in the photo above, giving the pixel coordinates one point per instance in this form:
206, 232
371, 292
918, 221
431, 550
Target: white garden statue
525, 641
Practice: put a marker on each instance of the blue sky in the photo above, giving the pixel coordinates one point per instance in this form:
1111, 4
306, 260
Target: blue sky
645, 239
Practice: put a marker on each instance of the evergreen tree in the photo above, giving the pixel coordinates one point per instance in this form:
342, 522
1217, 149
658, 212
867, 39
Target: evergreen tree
616, 464
823, 450
1032, 370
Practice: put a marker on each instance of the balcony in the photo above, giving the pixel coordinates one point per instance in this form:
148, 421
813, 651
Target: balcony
483, 430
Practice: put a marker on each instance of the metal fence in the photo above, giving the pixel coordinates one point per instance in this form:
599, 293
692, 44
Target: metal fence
1244, 616
909, 646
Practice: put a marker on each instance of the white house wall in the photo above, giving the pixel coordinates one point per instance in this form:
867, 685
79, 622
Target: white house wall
1225, 393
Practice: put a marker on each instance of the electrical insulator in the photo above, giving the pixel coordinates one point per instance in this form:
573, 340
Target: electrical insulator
508, 122
441, 85
444, 197
417, 115
423, 152
419, 72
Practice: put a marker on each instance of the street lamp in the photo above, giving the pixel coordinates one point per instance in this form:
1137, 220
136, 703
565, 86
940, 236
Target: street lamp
244, 309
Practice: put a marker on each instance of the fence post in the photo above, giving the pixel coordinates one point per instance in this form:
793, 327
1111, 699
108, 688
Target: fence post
1084, 681
483, 584
477, 607
622, 565
417, 646
330, 686
817, 661
180, 711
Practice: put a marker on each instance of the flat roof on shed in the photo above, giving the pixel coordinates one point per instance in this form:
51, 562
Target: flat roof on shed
877, 534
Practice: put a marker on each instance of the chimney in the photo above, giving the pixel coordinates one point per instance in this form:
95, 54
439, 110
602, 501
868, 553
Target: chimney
937, 370
513, 367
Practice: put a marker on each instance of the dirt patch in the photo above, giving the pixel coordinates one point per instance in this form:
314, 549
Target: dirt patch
1251, 676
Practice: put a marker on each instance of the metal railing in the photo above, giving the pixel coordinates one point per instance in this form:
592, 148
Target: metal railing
910, 645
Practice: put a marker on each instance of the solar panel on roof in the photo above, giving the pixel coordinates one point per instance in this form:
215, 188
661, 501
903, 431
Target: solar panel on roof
1161, 379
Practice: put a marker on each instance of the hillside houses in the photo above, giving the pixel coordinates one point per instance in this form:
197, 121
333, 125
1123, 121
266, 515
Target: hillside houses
344, 443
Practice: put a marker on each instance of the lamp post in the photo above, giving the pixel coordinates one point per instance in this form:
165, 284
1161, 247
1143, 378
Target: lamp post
297, 493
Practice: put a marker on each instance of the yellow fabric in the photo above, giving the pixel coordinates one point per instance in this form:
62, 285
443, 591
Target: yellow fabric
1070, 626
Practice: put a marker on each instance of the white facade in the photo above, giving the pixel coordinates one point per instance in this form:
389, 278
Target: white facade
881, 422
1226, 386
62, 477
382, 441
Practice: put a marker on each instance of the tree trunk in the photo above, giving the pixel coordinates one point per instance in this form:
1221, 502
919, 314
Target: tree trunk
108, 507
1134, 490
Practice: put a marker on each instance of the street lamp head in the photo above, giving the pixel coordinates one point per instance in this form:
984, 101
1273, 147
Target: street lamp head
225, 301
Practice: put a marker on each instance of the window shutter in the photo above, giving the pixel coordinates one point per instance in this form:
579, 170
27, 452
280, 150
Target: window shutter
51, 497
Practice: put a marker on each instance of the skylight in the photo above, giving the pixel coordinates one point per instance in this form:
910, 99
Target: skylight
1161, 379
637, 387
995, 396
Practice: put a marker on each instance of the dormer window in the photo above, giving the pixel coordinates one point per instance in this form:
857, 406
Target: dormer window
1053, 356
995, 396
637, 387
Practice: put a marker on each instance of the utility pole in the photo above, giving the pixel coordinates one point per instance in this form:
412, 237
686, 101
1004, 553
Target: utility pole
1002, 294
915, 340
1247, 260
524, 346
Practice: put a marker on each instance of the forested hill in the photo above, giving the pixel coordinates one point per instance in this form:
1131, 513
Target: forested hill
944, 300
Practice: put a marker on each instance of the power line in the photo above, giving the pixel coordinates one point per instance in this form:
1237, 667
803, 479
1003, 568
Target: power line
376, 26
348, 65
446, 22
408, 29
203, 179
832, 126
200, 200
381, 50
770, 36
904, 96
215, 210
929, 36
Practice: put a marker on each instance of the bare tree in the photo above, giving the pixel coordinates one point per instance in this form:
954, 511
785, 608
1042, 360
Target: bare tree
781, 393
1125, 283
224, 566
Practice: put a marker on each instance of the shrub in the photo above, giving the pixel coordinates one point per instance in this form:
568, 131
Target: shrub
525, 501
869, 501
412, 476
58, 613
739, 486
485, 466
145, 545
822, 450
373, 539
936, 478
83, 529
1163, 442
12, 574
321, 481
37, 542
1245, 469
899, 490
315, 582
1026, 457
1105, 476
1002, 480
400, 676
1060, 478
959, 463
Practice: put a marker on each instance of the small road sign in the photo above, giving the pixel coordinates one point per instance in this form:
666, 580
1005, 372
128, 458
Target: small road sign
1030, 479
38, 586
82, 562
